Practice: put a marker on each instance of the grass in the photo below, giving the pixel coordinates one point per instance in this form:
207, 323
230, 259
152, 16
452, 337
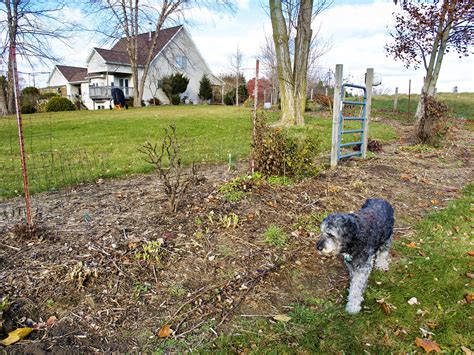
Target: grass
275, 236
66, 148
460, 104
433, 272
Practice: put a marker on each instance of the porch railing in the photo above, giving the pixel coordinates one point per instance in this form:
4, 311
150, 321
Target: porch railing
105, 92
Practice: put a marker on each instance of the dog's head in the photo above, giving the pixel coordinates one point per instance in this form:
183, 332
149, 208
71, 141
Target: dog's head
337, 231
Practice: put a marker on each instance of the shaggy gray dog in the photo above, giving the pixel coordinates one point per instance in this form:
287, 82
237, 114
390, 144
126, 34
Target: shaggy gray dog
362, 238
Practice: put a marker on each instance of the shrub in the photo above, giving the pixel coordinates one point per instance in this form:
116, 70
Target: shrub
28, 108
205, 88
154, 101
30, 90
229, 98
323, 100
48, 95
237, 188
175, 99
56, 104
432, 126
173, 85
276, 152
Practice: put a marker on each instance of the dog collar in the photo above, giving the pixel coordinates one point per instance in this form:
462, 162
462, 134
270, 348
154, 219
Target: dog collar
347, 258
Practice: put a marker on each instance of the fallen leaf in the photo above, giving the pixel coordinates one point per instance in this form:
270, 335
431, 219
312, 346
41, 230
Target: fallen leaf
51, 320
434, 202
470, 275
470, 253
466, 351
386, 308
16, 335
427, 345
282, 318
411, 245
468, 297
404, 177
400, 331
165, 331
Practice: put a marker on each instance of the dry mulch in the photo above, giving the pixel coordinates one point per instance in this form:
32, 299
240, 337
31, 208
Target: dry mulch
84, 263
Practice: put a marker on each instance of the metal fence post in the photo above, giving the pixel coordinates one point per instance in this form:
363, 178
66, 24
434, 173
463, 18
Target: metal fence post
336, 112
24, 170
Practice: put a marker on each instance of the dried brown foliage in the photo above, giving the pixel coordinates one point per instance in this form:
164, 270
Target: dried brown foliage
323, 100
433, 125
277, 153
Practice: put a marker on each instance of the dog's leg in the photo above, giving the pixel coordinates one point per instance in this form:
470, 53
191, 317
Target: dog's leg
382, 258
359, 277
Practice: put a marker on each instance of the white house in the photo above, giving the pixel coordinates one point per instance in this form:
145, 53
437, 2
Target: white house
108, 68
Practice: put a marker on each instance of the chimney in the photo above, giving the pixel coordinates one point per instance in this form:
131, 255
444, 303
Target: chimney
149, 32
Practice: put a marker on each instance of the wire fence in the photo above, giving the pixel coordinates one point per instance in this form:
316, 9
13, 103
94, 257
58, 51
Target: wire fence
58, 158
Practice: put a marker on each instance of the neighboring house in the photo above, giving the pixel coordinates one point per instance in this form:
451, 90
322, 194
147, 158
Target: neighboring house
107, 68
68, 81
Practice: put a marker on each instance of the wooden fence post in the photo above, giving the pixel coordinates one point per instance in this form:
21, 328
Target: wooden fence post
395, 100
335, 115
369, 80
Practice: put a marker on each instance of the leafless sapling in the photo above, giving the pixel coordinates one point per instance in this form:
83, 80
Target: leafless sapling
166, 157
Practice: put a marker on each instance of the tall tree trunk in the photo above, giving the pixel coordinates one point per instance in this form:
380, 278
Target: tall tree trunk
292, 80
12, 18
3, 98
237, 89
10, 90
302, 48
285, 73
434, 66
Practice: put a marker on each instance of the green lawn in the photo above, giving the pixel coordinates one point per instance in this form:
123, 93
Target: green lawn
460, 104
434, 272
65, 148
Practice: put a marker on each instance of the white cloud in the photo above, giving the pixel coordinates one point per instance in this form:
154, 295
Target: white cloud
358, 32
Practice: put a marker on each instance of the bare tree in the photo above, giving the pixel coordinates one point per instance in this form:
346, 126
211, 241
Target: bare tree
267, 57
424, 31
291, 23
235, 62
30, 26
128, 18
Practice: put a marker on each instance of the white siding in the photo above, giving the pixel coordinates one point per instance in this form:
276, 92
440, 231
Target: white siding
96, 64
165, 64
57, 79
85, 96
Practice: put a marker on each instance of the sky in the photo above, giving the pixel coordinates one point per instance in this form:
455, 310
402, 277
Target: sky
357, 31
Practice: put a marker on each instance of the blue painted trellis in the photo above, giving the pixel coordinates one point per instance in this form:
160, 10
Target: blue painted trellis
338, 118
363, 117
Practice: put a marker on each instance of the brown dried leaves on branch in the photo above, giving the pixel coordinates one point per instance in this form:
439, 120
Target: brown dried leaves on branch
433, 125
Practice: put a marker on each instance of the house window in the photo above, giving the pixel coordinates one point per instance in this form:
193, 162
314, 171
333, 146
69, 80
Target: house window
181, 61
123, 83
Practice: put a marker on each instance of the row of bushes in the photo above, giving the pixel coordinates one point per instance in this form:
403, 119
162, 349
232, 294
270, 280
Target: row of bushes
54, 104
33, 101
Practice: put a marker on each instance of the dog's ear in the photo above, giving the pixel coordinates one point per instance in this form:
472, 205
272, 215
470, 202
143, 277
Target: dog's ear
350, 227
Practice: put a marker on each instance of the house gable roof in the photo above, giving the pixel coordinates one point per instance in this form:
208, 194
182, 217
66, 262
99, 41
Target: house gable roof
118, 53
73, 74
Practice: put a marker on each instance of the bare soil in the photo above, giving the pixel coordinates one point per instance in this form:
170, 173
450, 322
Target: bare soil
85, 264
